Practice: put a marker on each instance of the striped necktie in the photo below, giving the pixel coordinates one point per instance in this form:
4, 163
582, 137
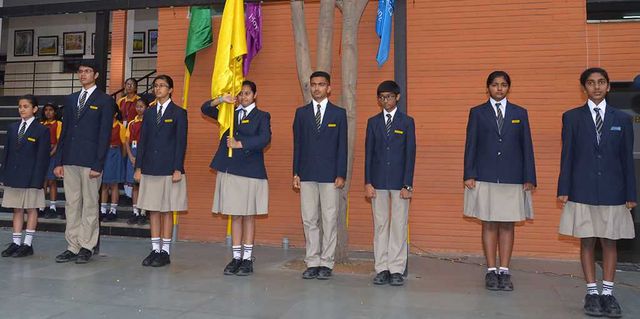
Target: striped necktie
243, 115
388, 124
318, 118
598, 123
23, 129
83, 99
159, 115
500, 117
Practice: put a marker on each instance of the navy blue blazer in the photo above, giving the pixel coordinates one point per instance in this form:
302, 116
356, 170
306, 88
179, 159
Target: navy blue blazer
390, 160
255, 134
597, 174
320, 156
84, 140
499, 157
162, 148
25, 164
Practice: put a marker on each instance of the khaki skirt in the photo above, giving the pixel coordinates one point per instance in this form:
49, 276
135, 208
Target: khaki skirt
23, 198
583, 221
494, 202
240, 196
160, 194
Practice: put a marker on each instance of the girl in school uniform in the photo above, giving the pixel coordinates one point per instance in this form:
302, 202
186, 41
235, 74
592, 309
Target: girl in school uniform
241, 190
160, 168
133, 136
127, 103
597, 186
50, 120
24, 166
113, 173
499, 175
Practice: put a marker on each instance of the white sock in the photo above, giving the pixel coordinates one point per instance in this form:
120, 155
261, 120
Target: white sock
52, 205
492, 269
113, 209
592, 288
504, 270
237, 252
607, 288
28, 236
103, 208
248, 249
17, 238
136, 211
155, 244
166, 245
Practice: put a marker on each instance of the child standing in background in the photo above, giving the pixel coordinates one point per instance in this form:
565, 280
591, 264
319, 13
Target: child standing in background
133, 136
50, 120
113, 170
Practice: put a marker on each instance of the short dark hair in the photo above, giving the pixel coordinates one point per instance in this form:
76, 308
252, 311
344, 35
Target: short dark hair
587, 73
117, 114
135, 82
51, 105
88, 63
496, 74
31, 98
250, 84
388, 86
165, 78
144, 101
321, 74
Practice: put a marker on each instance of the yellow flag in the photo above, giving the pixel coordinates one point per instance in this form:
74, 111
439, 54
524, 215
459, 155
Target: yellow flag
227, 70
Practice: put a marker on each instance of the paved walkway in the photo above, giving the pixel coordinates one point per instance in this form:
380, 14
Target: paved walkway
114, 285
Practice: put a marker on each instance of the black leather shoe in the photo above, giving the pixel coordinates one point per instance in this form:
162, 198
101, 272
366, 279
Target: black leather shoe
310, 273
246, 268
324, 273
396, 279
133, 219
592, 305
491, 281
110, 217
10, 250
143, 220
50, 213
152, 255
42, 212
232, 266
162, 259
23, 251
610, 306
62, 216
66, 256
84, 255
382, 278
504, 282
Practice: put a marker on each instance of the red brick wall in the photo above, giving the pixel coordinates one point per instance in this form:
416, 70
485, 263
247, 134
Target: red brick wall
118, 50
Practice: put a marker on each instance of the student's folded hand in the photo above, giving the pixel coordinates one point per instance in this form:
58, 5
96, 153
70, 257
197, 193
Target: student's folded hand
94, 174
631, 205
177, 176
369, 191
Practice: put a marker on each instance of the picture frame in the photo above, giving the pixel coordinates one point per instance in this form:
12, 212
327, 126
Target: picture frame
23, 43
93, 44
139, 42
73, 43
48, 45
153, 41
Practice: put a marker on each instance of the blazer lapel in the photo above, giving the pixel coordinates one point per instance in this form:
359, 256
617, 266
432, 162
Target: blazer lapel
88, 102
325, 119
508, 117
27, 134
590, 125
606, 126
490, 114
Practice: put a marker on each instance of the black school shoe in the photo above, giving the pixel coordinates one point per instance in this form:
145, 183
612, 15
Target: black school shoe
149, 259
10, 250
133, 220
84, 255
491, 281
324, 273
610, 306
246, 268
110, 217
310, 273
50, 213
504, 282
382, 278
66, 256
162, 259
396, 279
232, 267
143, 220
23, 251
593, 306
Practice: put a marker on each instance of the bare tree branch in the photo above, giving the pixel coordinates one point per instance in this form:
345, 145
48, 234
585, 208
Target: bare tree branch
339, 4
303, 59
325, 35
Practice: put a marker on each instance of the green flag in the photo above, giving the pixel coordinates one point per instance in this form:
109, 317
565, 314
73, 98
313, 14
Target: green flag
200, 34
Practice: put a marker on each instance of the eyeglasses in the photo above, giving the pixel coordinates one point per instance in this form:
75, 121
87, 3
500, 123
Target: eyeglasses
386, 98
160, 85
85, 71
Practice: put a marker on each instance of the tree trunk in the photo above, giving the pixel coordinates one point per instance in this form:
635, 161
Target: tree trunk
325, 35
303, 59
352, 11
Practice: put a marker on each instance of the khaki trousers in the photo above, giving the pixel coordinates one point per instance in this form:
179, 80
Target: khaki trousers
81, 193
319, 200
390, 217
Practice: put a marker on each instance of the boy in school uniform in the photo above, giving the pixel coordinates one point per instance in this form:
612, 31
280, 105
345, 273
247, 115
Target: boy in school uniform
82, 149
390, 155
597, 186
319, 172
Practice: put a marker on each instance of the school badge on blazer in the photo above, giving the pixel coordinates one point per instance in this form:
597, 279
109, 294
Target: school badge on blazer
332, 125
398, 132
93, 107
31, 139
616, 128
244, 121
515, 121
168, 121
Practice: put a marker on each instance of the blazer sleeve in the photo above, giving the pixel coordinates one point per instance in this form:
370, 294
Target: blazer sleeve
410, 156
142, 140
566, 157
342, 146
181, 140
66, 117
260, 141
5, 154
527, 148
42, 159
369, 144
104, 134
208, 110
470, 147
627, 160
297, 135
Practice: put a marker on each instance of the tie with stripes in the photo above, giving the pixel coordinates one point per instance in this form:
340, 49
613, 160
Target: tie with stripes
23, 129
159, 115
500, 117
83, 99
598, 123
388, 124
243, 115
318, 118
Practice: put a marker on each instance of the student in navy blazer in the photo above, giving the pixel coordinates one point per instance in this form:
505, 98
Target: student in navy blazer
499, 173
159, 168
390, 156
24, 167
242, 190
597, 185
319, 171
82, 149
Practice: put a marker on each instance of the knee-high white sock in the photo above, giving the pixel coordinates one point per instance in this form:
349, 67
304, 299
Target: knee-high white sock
166, 245
17, 238
607, 288
248, 249
28, 236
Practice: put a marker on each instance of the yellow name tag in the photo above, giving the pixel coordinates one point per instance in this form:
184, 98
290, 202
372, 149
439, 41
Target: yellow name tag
515, 121
93, 107
31, 139
245, 121
168, 121
398, 132
332, 125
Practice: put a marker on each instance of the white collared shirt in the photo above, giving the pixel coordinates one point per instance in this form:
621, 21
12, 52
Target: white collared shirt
247, 110
393, 114
503, 106
323, 107
89, 92
29, 121
163, 107
592, 106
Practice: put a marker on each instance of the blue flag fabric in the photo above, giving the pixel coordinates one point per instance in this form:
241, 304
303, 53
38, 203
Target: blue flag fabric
385, 18
379, 18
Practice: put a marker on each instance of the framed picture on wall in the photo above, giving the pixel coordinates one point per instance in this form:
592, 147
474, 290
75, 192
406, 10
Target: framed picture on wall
73, 43
138, 42
93, 44
48, 45
153, 41
23, 43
